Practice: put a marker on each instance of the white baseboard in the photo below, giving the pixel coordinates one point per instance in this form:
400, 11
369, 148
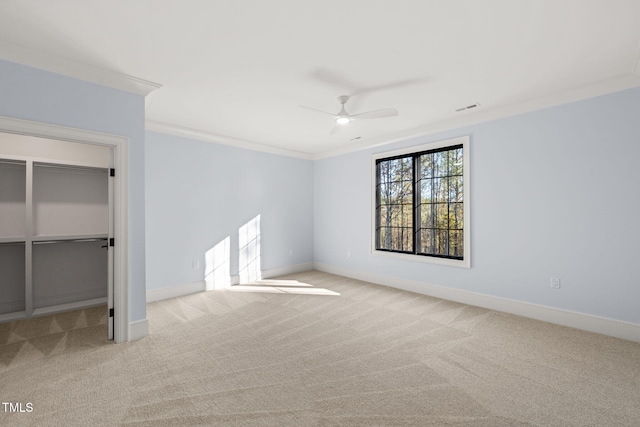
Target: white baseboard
195, 287
70, 306
138, 329
280, 271
602, 325
290, 269
175, 291
71, 298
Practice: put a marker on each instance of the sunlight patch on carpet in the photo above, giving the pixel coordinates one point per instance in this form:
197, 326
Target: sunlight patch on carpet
281, 287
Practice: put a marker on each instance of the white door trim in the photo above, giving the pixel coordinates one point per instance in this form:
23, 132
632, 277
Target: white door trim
110, 254
120, 147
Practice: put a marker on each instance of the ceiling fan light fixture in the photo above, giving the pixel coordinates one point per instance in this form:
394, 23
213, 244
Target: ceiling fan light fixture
342, 118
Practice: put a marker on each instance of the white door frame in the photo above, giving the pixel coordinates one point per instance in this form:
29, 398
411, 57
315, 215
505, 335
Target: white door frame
110, 254
120, 148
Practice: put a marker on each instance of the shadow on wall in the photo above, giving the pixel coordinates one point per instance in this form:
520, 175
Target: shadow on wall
217, 272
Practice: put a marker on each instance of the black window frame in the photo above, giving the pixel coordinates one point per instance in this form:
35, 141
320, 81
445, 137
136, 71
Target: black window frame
417, 203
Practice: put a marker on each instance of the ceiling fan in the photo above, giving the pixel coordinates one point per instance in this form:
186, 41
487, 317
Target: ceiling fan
342, 117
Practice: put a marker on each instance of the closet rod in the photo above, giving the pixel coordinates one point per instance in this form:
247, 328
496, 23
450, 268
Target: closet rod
46, 242
66, 166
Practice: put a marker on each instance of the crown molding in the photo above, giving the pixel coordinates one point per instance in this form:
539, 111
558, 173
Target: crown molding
63, 133
88, 73
603, 87
200, 135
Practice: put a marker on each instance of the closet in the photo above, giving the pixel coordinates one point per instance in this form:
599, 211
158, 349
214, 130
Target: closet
54, 226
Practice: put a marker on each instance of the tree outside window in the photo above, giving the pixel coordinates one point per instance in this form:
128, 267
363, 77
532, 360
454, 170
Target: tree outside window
419, 203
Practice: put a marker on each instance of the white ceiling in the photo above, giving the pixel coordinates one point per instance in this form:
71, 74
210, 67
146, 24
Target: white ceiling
237, 71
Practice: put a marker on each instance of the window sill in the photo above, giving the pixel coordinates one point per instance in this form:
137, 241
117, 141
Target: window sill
464, 263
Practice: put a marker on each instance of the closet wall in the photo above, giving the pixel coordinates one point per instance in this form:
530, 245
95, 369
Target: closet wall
54, 217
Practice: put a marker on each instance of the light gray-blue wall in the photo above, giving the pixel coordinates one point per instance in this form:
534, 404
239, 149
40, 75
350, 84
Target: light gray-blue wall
30, 94
555, 192
198, 193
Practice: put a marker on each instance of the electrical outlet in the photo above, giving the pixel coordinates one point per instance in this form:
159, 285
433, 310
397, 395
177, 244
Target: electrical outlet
196, 263
555, 282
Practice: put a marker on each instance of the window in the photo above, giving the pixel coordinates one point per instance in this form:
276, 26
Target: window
421, 204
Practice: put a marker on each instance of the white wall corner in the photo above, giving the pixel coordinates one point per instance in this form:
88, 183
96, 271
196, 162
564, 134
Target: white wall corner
138, 329
587, 322
175, 291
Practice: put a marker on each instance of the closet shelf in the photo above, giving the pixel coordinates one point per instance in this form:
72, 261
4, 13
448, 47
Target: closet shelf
54, 226
68, 238
12, 240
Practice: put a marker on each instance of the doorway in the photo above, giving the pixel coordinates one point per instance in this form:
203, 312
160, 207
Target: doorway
116, 232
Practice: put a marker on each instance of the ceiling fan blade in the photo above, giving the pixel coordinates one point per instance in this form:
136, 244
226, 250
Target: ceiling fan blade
319, 111
390, 86
333, 78
376, 114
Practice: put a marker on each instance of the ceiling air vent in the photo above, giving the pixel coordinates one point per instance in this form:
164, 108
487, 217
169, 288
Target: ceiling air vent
468, 107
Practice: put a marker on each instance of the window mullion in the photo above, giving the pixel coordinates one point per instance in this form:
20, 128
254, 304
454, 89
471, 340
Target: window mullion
416, 204
378, 204
401, 177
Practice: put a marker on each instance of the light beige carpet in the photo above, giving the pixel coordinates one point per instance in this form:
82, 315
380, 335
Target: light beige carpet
327, 351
